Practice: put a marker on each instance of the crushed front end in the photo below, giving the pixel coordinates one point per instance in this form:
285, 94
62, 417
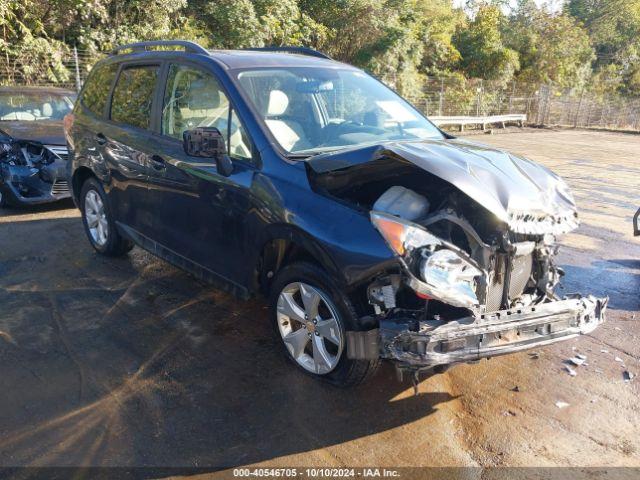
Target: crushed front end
473, 230
33, 173
465, 293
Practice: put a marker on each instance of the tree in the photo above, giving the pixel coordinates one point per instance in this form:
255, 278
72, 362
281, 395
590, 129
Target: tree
551, 47
230, 23
282, 22
481, 46
438, 22
614, 30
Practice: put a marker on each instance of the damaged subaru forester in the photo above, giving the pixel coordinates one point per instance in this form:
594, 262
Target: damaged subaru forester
374, 234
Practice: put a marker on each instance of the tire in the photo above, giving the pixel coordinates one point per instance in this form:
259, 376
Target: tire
311, 280
109, 242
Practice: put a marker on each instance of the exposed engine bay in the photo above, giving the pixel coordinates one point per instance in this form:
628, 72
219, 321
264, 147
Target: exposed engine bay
32, 172
475, 243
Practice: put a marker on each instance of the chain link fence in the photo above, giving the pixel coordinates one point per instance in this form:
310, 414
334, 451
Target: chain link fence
445, 96
66, 69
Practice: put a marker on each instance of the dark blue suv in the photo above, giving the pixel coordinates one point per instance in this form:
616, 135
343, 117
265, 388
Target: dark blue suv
373, 234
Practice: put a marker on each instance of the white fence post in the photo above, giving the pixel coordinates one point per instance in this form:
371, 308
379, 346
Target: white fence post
77, 65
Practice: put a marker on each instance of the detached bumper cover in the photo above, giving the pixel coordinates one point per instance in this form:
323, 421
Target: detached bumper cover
29, 185
423, 344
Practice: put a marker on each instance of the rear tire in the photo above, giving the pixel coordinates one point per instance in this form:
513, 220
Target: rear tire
315, 343
98, 221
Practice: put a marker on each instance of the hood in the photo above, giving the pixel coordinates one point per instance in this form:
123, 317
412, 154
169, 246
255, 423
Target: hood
528, 197
47, 132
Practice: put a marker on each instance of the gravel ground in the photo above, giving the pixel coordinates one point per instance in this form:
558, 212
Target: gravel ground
130, 362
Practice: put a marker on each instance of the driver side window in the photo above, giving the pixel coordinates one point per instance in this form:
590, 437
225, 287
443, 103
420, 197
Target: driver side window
194, 98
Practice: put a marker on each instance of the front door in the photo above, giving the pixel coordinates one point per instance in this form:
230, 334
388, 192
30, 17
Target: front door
200, 214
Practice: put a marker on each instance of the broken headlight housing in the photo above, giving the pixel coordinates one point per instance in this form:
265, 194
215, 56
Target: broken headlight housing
436, 268
450, 275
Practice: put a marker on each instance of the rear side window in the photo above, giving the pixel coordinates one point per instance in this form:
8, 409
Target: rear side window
133, 96
96, 91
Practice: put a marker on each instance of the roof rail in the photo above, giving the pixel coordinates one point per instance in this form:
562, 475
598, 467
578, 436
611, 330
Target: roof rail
300, 50
190, 47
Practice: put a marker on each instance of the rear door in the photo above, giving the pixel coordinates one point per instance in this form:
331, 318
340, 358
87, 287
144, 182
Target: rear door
85, 137
201, 214
127, 141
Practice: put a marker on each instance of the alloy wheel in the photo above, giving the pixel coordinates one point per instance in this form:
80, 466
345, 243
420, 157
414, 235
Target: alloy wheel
96, 218
308, 325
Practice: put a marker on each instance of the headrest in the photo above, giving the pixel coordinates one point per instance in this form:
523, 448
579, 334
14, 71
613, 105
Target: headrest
203, 94
47, 110
278, 102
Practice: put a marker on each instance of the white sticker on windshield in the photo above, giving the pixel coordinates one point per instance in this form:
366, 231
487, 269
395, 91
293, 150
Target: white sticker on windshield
397, 111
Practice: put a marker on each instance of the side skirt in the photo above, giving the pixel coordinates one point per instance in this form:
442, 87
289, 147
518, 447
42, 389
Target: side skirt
177, 260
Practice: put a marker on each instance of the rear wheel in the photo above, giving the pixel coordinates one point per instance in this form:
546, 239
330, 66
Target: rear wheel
98, 221
311, 317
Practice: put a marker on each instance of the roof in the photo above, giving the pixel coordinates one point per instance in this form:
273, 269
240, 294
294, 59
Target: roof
35, 89
237, 59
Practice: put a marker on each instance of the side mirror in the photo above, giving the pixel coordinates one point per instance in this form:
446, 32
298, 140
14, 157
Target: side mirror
208, 142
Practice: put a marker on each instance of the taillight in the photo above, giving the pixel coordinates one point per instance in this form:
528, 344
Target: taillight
67, 122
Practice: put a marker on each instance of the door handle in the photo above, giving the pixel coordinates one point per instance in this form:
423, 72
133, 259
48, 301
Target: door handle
158, 163
100, 139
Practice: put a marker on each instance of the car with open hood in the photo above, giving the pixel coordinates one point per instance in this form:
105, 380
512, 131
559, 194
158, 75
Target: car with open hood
373, 234
33, 149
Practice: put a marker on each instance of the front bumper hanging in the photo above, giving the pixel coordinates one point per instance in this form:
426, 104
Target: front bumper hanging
422, 344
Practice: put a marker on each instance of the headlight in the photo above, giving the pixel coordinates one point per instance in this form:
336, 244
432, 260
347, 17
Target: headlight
402, 236
451, 276
444, 272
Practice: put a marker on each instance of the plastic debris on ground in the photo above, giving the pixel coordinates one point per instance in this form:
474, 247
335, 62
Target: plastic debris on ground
561, 404
570, 371
577, 361
627, 376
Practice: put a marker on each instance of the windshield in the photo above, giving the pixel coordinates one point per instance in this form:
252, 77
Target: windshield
33, 106
310, 110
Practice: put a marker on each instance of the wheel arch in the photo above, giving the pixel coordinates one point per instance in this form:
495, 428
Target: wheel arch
80, 175
282, 245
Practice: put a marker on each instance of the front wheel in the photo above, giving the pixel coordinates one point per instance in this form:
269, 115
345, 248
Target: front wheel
99, 224
311, 317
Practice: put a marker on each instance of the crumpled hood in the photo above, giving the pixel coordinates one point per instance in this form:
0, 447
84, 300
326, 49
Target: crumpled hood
47, 132
528, 197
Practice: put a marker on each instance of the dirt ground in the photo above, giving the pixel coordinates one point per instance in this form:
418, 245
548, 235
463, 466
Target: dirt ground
131, 362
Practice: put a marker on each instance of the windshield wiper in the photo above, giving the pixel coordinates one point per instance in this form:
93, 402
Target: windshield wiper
302, 156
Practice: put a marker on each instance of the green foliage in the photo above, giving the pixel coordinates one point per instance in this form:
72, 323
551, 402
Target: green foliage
481, 46
613, 27
551, 47
592, 43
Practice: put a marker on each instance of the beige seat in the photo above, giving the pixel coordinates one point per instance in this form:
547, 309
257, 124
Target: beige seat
288, 132
47, 110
